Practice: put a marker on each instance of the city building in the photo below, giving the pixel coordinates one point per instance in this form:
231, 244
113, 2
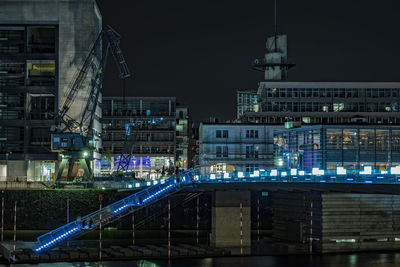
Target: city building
42, 45
183, 156
236, 146
194, 145
154, 149
246, 101
329, 146
327, 103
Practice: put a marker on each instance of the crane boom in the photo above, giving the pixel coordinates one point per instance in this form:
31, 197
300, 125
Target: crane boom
75, 136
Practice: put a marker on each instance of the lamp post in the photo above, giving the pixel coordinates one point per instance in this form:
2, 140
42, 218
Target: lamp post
7, 153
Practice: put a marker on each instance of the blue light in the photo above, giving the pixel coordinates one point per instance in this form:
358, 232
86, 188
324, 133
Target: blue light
53, 241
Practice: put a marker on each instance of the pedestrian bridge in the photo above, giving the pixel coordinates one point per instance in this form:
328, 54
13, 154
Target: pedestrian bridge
152, 191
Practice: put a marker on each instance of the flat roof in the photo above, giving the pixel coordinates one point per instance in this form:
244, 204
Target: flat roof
287, 84
139, 97
240, 124
340, 126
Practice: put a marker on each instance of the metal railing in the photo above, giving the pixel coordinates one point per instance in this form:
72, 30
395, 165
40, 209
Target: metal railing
115, 211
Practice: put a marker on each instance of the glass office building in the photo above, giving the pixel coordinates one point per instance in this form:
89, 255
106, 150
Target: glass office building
330, 146
327, 103
246, 101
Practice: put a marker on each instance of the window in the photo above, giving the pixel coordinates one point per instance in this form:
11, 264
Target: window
221, 151
41, 106
338, 107
41, 39
350, 139
251, 133
11, 40
251, 167
221, 134
334, 138
40, 72
252, 152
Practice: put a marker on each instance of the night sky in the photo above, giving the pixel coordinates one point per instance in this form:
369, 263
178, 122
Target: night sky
201, 51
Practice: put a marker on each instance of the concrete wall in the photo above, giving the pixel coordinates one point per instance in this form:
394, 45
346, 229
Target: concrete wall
341, 222
225, 226
17, 169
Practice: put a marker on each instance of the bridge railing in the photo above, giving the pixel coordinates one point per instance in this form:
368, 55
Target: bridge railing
340, 175
116, 210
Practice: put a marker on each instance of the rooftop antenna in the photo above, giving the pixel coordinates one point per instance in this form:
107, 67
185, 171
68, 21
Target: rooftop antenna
276, 27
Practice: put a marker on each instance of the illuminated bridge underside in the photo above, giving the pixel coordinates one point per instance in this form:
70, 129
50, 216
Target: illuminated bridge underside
157, 190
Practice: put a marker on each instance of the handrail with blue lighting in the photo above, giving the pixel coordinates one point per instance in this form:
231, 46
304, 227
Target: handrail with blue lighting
116, 210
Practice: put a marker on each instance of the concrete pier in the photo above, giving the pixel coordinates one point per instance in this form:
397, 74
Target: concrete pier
225, 226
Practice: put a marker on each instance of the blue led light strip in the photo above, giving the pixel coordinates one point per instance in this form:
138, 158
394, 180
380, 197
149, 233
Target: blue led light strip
55, 240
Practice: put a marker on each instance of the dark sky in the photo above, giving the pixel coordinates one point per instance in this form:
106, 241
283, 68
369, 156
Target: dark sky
201, 51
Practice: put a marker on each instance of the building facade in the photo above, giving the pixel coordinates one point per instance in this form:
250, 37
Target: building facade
236, 147
330, 146
154, 148
246, 101
42, 44
327, 103
183, 127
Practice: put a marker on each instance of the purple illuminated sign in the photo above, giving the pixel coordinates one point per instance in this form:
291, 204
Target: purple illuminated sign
135, 162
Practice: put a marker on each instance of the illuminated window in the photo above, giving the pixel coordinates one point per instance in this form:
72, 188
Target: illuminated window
41, 72
338, 107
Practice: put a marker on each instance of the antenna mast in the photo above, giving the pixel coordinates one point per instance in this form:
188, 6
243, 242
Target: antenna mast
276, 27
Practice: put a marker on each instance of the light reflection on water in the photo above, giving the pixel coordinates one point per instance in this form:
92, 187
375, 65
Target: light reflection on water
389, 259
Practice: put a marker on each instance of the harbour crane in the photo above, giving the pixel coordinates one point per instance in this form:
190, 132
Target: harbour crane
74, 138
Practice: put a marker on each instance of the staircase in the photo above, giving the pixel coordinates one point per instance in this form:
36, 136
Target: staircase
116, 210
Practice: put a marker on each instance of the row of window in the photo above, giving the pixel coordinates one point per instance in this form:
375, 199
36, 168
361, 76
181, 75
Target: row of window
116, 149
222, 152
224, 134
332, 92
144, 125
337, 139
318, 120
39, 39
331, 107
140, 137
137, 107
31, 73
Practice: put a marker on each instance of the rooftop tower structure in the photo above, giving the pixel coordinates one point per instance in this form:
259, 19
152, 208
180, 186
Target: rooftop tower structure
274, 64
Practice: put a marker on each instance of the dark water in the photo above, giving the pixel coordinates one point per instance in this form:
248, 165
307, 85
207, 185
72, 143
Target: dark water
341, 260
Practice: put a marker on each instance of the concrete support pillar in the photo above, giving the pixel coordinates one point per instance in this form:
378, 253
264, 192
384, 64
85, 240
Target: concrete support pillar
16, 170
225, 230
